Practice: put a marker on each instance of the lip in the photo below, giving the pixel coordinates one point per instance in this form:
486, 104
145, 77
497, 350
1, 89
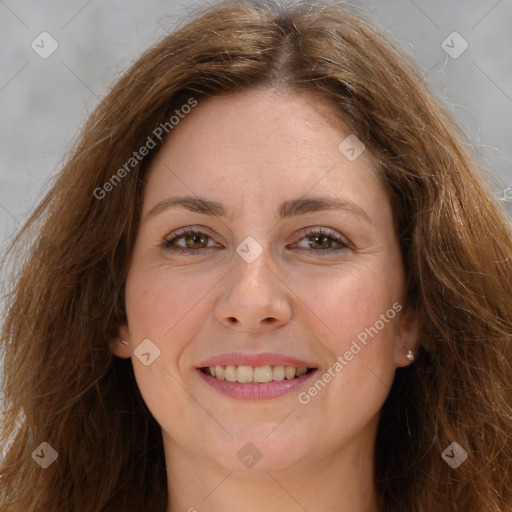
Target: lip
263, 359
256, 390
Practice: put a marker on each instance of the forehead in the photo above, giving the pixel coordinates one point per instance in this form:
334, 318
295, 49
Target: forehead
257, 147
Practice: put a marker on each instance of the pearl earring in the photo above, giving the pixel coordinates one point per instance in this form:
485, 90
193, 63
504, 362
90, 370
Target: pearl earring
124, 342
410, 353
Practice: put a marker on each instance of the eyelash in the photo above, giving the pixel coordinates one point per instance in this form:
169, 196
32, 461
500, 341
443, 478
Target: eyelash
305, 233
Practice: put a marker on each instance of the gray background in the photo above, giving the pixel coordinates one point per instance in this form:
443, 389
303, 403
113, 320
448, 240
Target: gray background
43, 102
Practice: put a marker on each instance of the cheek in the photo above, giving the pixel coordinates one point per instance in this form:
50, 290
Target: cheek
343, 302
160, 300
163, 306
168, 307
355, 320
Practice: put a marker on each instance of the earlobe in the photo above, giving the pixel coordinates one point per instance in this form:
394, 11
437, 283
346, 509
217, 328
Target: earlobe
410, 352
406, 341
120, 344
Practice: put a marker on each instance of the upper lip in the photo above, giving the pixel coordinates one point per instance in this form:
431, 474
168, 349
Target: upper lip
263, 359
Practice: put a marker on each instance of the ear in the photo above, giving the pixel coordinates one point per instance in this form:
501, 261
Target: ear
408, 333
116, 346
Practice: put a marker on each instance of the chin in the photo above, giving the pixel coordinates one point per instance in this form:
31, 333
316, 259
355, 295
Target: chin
261, 450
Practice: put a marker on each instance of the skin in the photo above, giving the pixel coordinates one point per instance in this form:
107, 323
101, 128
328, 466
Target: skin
251, 151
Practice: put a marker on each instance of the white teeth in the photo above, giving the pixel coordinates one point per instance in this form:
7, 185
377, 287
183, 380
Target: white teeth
220, 373
260, 374
263, 374
278, 373
289, 372
244, 373
230, 373
301, 371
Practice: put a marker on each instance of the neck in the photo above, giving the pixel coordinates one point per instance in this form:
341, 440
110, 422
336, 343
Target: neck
341, 482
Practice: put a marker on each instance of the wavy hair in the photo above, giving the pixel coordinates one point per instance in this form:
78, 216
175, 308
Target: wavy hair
63, 386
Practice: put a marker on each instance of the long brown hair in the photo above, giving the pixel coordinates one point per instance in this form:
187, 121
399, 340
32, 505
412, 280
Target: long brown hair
63, 386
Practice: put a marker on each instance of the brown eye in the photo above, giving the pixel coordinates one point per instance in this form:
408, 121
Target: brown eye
187, 241
323, 241
192, 241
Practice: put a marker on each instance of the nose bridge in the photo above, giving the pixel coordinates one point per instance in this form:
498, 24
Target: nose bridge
252, 264
253, 295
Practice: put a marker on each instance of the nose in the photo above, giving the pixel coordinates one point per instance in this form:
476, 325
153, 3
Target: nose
254, 298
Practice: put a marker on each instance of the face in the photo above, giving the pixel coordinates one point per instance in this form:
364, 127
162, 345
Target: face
262, 276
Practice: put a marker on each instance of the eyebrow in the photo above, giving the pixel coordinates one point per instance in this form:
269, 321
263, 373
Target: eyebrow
287, 209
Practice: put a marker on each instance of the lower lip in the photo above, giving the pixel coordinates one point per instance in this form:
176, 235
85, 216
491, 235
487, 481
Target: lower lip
256, 390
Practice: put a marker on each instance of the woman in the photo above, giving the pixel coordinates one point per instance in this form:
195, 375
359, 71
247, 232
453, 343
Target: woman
269, 276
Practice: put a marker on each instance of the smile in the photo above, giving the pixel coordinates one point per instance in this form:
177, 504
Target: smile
256, 383
258, 374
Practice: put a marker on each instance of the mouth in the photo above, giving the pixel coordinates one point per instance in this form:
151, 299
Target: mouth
255, 375
261, 382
